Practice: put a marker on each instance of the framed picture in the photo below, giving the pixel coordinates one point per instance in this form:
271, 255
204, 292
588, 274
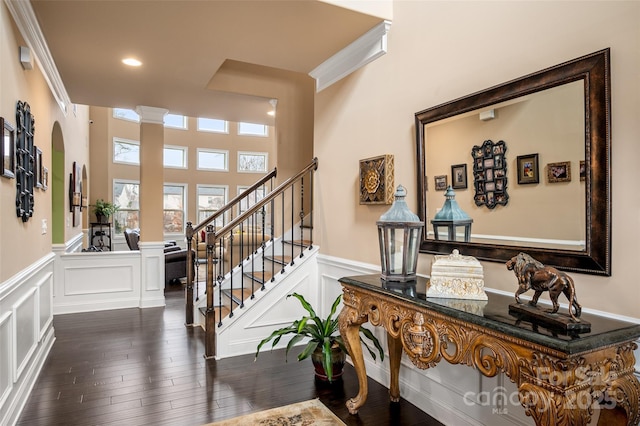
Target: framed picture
582, 171
38, 170
459, 176
252, 162
528, 169
376, 180
489, 174
8, 149
440, 182
559, 172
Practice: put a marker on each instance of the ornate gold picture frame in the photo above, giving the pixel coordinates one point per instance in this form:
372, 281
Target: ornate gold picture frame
376, 180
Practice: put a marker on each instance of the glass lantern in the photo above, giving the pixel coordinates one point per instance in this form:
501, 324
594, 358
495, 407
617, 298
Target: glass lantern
399, 233
451, 217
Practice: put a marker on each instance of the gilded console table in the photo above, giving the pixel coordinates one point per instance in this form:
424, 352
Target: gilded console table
560, 377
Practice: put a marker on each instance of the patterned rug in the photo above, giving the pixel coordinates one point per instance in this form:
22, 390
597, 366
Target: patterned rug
306, 413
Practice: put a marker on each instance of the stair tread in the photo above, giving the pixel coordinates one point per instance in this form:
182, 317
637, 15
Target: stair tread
282, 260
298, 242
225, 311
257, 276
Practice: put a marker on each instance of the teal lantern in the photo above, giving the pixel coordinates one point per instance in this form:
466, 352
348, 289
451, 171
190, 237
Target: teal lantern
451, 217
399, 233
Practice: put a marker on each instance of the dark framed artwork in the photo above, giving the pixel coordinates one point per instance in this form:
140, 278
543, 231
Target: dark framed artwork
376, 180
559, 172
45, 178
583, 170
528, 171
8, 149
25, 161
490, 174
459, 176
440, 182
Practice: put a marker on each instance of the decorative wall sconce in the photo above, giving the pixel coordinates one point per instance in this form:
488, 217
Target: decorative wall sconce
399, 232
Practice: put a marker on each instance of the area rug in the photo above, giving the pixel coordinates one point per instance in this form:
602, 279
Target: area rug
306, 413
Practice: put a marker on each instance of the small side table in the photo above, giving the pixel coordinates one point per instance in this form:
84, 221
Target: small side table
100, 235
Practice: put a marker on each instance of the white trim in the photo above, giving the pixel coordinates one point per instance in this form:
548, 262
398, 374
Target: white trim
151, 115
223, 132
367, 48
124, 141
8, 362
27, 23
185, 152
265, 155
19, 368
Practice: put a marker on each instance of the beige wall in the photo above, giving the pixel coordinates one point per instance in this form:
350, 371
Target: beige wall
30, 86
439, 51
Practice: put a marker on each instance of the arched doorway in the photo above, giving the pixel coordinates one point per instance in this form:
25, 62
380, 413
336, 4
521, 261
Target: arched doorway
57, 181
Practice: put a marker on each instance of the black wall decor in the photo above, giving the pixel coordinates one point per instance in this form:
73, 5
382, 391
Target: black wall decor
490, 174
25, 161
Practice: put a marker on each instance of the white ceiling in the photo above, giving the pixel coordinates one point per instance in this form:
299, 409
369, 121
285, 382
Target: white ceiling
182, 44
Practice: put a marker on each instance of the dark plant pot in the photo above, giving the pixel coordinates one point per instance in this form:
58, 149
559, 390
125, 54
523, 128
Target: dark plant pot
338, 358
102, 218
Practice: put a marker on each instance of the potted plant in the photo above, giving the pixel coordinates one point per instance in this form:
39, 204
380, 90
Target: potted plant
103, 210
326, 348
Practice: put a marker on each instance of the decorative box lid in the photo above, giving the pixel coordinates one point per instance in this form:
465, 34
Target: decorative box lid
456, 277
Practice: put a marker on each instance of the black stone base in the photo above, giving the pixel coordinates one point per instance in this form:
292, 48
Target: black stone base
538, 315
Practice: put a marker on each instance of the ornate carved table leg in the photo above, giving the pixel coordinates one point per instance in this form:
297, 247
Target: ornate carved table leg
349, 322
395, 354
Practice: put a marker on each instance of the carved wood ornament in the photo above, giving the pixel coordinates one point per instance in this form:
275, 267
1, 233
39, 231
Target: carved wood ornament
554, 388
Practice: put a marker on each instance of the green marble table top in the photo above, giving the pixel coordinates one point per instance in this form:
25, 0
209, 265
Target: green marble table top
494, 314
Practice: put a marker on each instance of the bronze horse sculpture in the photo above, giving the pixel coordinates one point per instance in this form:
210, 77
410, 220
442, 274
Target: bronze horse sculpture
534, 275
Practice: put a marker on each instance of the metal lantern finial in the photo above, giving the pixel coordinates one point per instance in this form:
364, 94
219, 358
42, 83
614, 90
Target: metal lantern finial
399, 234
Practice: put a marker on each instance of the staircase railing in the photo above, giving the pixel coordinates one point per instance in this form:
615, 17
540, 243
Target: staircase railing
245, 246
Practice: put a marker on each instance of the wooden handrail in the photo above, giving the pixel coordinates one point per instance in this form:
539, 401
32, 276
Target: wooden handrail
272, 174
260, 204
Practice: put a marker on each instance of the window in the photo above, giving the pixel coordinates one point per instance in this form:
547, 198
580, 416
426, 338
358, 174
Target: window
126, 114
175, 157
174, 213
211, 198
175, 121
126, 151
252, 129
212, 159
252, 162
126, 195
252, 198
212, 125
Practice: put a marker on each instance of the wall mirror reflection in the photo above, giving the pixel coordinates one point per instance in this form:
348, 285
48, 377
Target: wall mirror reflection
562, 115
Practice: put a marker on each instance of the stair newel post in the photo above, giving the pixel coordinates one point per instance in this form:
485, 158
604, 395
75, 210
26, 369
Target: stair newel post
190, 267
210, 318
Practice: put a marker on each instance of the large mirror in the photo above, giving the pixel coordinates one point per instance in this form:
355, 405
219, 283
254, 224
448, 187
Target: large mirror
550, 133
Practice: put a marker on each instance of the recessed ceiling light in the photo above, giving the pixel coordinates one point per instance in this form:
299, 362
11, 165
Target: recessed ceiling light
132, 62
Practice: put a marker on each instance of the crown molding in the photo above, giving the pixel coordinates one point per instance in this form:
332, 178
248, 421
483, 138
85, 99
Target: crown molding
367, 48
27, 24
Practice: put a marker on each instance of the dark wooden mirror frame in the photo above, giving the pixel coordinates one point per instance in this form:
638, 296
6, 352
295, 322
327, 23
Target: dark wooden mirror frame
594, 70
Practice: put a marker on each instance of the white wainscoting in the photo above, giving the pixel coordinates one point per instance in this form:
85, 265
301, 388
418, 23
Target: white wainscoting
26, 333
453, 394
95, 281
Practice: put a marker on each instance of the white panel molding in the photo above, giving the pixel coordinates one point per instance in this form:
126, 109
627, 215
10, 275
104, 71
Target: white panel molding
6, 357
367, 48
20, 364
73, 245
26, 275
27, 24
152, 274
101, 279
45, 289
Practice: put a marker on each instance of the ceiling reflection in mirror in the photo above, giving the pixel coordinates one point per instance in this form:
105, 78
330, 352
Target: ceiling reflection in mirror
561, 216
550, 124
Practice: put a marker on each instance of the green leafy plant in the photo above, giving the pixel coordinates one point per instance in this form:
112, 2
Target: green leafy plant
322, 334
104, 208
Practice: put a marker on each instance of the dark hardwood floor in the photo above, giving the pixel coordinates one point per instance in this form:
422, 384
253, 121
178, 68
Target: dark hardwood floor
143, 366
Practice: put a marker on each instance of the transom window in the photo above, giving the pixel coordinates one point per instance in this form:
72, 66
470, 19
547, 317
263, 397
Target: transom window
213, 159
175, 156
126, 114
253, 129
175, 121
212, 125
126, 151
